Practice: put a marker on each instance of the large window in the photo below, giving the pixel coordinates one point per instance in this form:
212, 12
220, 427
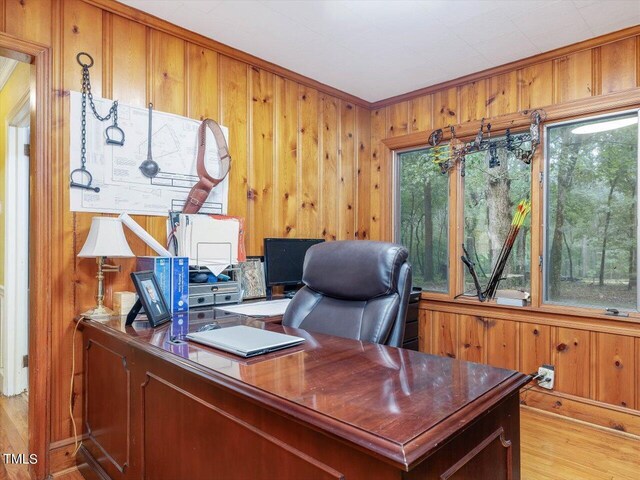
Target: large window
422, 195
591, 229
491, 196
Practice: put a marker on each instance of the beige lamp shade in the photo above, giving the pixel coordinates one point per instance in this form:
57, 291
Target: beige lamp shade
106, 239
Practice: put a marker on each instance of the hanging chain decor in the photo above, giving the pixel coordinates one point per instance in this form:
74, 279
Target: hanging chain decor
81, 177
521, 146
441, 155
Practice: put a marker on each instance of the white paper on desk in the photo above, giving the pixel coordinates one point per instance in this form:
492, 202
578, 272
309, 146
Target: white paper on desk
268, 308
209, 242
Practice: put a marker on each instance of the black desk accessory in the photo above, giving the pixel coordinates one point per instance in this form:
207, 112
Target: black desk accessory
150, 297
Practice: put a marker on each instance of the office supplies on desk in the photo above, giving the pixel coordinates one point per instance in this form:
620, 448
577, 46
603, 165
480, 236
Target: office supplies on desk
245, 341
179, 299
123, 302
149, 297
208, 242
219, 293
161, 268
173, 278
267, 308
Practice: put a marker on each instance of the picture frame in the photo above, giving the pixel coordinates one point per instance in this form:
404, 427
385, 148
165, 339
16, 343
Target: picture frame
252, 278
150, 298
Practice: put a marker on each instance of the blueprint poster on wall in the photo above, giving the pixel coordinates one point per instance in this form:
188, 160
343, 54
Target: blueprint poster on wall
115, 169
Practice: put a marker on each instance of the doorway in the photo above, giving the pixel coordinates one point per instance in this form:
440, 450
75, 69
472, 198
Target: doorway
15, 133
14, 289
41, 213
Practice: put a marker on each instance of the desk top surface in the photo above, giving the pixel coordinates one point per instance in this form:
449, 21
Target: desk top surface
400, 403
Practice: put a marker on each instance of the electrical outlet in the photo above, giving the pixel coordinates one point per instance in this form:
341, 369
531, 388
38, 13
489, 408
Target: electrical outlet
548, 376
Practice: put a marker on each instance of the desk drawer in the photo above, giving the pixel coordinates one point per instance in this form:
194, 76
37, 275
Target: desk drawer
411, 345
411, 330
202, 300
227, 297
412, 312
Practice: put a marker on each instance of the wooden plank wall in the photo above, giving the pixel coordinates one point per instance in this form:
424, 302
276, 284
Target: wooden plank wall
295, 147
308, 162
597, 362
589, 72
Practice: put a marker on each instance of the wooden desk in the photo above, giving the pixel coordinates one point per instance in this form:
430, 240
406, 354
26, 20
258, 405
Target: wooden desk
331, 408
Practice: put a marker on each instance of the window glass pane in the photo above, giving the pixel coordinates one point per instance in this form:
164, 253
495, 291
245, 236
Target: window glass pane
423, 203
591, 243
491, 196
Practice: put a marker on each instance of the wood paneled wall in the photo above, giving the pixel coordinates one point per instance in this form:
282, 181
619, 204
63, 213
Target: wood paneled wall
591, 69
597, 361
296, 146
308, 161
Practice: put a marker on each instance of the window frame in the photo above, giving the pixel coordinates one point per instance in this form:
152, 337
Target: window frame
569, 111
543, 201
396, 218
462, 269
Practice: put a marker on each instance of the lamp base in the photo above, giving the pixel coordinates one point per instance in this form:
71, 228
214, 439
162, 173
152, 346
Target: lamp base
99, 313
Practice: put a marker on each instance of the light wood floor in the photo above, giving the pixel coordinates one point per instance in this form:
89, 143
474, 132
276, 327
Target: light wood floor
553, 448
13, 434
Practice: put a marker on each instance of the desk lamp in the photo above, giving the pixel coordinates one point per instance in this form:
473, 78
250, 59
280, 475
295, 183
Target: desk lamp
106, 239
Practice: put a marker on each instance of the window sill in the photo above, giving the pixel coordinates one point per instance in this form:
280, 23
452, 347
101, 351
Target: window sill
545, 309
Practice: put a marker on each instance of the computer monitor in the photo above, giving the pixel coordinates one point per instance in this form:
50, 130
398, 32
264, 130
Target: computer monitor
283, 261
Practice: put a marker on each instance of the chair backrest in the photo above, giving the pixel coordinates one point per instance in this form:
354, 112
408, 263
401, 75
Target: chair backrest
354, 289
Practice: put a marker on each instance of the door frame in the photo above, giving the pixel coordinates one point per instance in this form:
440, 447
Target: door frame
41, 214
16, 291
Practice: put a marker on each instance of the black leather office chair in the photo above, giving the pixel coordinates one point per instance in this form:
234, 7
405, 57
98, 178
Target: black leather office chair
354, 289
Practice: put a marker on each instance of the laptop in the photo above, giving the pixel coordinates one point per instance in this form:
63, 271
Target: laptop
245, 341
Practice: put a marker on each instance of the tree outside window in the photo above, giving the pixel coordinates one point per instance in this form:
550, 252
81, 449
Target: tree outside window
423, 211
491, 196
591, 221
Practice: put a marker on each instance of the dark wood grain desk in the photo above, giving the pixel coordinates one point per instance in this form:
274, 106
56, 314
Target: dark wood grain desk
331, 408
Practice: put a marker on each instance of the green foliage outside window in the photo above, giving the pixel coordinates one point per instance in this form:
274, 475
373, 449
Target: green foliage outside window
491, 196
424, 218
591, 201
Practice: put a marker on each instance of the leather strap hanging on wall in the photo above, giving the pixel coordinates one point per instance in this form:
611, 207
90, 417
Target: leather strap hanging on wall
201, 190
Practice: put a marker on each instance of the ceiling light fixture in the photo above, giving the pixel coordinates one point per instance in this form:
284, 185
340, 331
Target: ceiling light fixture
604, 126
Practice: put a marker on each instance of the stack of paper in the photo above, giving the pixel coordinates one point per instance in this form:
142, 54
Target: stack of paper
267, 308
208, 242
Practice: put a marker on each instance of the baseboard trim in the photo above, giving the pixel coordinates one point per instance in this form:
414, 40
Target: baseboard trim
90, 469
61, 456
611, 417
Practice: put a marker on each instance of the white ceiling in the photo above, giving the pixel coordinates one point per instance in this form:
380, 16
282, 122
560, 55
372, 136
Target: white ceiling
376, 49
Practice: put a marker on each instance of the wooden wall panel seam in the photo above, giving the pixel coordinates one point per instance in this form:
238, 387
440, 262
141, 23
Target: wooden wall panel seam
638, 74
149, 65
107, 55
3, 16
596, 72
593, 365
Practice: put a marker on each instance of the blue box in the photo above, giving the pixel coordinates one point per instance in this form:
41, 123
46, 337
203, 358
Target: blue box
161, 267
179, 284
